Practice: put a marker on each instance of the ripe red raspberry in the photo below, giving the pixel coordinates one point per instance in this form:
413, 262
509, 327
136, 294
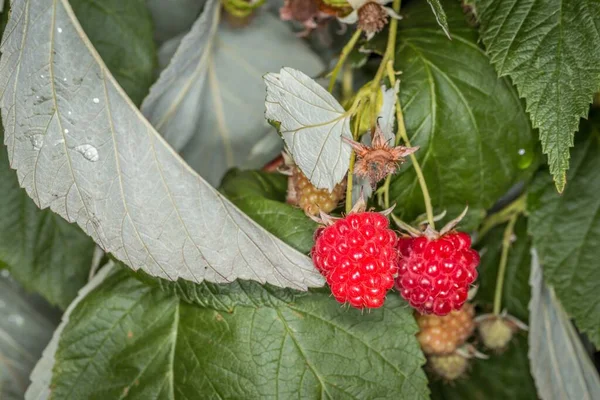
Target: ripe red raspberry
440, 335
357, 255
435, 273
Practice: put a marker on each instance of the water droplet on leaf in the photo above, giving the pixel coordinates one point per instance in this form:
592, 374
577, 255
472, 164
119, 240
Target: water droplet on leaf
525, 158
96, 100
89, 152
16, 319
37, 141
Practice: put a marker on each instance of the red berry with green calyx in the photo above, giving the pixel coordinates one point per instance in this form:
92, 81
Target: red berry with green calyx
436, 269
358, 257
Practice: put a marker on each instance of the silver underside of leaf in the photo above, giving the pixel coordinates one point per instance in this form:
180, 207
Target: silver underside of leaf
81, 147
313, 124
208, 102
560, 366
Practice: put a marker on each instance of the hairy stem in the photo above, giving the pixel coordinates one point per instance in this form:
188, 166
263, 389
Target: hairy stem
506, 241
345, 52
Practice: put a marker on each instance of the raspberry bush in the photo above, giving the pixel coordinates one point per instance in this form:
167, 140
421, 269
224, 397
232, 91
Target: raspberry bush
247, 200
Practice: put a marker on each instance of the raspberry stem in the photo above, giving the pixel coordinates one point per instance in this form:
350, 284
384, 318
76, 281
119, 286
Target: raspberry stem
503, 216
506, 241
387, 56
345, 52
387, 65
403, 135
349, 184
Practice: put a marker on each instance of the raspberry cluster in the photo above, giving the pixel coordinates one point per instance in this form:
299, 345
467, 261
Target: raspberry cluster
439, 335
358, 257
434, 274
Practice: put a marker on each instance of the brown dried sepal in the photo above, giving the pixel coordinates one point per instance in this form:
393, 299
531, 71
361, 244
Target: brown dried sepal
308, 12
379, 160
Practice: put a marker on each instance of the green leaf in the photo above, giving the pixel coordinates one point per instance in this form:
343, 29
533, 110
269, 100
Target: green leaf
44, 252
261, 196
26, 326
440, 16
566, 233
121, 31
476, 140
551, 50
129, 339
516, 292
502, 376
40, 377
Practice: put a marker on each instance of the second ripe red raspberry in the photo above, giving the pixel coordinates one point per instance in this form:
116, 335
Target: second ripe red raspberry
358, 257
434, 274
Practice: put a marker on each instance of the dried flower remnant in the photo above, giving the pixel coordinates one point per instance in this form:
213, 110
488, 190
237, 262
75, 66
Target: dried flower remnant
379, 160
370, 16
308, 12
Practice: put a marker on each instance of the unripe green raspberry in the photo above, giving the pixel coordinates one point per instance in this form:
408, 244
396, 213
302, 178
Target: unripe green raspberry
495, 333
449, 367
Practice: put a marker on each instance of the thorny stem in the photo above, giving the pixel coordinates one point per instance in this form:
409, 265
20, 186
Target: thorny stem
506, 241
345, 52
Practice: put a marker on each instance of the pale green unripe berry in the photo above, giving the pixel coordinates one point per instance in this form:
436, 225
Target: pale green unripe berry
449, 367
495, 333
